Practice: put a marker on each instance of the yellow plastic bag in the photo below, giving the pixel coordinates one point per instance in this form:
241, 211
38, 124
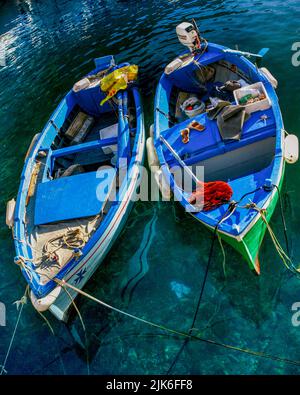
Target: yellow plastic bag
117, 80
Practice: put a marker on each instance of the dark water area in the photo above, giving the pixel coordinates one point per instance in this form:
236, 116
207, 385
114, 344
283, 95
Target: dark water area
50, 45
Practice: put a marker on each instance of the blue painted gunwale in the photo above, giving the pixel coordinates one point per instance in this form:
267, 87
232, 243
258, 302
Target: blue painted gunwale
44, 143
262, 198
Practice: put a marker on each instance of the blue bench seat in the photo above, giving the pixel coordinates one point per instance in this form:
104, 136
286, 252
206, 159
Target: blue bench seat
72, 197
209, 143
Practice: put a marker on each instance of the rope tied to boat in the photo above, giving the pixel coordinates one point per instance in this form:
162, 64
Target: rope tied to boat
21, 262
230, 210
189, 335
282, 254
19, 303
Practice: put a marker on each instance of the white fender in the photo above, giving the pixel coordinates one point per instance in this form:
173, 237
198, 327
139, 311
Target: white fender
152, 155
43, 304
82, 84
10, 212
269, 76
291, 148
151, 131
163, 185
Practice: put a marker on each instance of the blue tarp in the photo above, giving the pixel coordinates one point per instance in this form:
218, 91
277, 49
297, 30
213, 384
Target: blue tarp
77, 196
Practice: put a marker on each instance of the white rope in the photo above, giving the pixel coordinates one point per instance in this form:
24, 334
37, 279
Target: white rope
22, 263
18, 303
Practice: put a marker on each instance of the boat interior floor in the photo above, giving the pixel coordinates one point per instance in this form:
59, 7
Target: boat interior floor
53, 243
102, 127
223, 159
49, 244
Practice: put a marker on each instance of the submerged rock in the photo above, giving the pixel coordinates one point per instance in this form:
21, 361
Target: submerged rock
179, 289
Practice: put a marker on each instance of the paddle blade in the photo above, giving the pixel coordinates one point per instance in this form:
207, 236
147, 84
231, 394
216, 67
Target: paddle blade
263, 52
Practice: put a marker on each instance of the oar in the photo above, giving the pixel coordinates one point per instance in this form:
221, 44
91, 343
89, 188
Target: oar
260, 54
179, 160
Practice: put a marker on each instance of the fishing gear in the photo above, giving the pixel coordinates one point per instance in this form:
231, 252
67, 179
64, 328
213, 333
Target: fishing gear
260, 54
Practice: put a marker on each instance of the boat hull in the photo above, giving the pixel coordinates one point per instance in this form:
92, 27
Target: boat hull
250, 165
78, 268
249, 244
90, 263
61, 307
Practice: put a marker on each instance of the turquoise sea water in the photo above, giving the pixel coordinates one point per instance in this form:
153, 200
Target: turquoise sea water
50, 44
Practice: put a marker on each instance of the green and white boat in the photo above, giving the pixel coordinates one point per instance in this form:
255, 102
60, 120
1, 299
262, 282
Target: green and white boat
251, 163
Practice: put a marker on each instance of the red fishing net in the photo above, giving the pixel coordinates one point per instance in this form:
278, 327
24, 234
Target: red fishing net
211, 194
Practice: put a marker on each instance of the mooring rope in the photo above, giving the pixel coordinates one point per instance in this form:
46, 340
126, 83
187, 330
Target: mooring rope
71, 239
283, 220
187, 335
223, 253
21, 303
231, 209
53, 333
21, 261
83, 327
282, 254
198, 303
63, 283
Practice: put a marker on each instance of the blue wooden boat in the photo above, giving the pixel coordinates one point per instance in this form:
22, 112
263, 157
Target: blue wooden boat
77, 187
251, 159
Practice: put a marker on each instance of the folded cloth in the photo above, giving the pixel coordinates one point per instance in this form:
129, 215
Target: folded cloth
213, 112
231, 120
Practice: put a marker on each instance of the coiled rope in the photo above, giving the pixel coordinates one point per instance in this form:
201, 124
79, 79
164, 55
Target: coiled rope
71, 239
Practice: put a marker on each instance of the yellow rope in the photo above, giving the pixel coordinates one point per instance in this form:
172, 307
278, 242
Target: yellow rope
47, 322
71, 239
223, 253
63, 284
84, 329
282, 254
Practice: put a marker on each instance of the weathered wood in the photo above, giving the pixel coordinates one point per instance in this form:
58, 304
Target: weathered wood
33, 181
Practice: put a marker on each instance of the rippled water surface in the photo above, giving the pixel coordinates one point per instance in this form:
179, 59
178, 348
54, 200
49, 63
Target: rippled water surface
50, 44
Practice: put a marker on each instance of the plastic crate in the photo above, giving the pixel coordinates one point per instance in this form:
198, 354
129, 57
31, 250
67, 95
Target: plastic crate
257, 106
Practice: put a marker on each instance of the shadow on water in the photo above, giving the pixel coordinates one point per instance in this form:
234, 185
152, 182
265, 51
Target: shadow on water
156, 268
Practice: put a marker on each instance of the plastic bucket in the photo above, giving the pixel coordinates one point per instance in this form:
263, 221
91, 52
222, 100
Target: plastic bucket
192, 107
